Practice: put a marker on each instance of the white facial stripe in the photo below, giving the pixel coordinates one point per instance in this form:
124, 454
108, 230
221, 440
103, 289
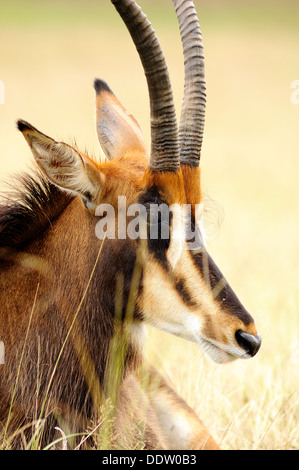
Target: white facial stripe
184, 324
180, 220
177, 234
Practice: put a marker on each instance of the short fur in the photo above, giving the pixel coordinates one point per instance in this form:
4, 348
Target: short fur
73, 307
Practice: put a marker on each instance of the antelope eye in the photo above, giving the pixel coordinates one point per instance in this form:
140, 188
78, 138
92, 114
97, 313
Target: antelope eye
193, 237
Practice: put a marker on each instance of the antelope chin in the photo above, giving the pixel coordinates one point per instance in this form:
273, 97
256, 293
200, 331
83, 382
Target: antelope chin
220, 353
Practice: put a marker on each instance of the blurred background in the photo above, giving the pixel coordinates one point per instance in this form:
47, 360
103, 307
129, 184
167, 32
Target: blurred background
50, 53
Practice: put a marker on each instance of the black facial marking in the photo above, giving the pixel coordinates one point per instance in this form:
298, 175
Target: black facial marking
184, 293
158, 226
219, 286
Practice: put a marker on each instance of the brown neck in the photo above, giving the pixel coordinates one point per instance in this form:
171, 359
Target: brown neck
74, 310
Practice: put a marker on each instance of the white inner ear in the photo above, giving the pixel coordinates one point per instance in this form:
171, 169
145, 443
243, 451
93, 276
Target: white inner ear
118, 132
177, 238
63, 165
39, 150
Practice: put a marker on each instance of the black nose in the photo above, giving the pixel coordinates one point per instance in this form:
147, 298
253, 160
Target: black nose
250, 343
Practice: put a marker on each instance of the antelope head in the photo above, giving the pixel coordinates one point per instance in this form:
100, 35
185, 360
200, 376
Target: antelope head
181, 291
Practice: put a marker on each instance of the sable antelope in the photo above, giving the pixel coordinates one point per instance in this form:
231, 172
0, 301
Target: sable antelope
73, 307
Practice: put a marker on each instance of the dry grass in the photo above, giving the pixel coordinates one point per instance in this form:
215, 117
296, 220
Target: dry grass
250, 168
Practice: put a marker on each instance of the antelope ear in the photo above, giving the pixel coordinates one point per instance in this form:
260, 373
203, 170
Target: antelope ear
62, 164
118, 132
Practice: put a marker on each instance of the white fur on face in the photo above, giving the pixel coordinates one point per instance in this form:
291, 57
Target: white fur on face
177, 239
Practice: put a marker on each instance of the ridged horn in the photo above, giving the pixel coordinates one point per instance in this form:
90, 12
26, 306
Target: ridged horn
164, 130
194, 102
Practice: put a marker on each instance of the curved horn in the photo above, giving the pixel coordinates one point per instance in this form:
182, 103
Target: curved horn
194, 102
164, 131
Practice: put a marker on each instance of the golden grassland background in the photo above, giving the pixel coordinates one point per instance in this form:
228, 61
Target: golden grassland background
50, 53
